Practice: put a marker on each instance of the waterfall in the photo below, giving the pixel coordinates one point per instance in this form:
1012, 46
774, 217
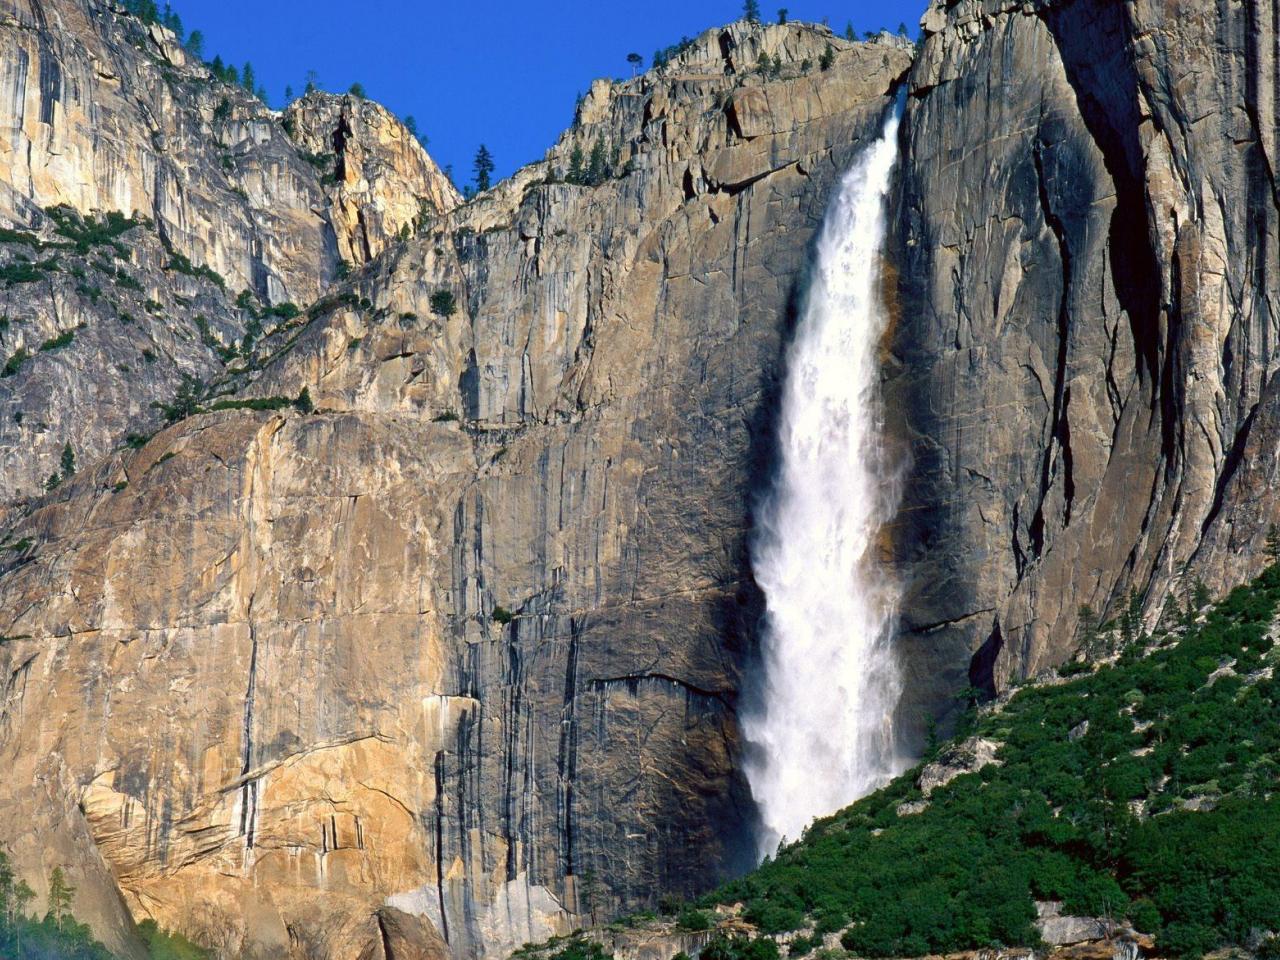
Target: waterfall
822, 732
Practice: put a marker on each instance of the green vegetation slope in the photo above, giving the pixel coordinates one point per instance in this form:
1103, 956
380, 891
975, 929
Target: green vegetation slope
1142, 790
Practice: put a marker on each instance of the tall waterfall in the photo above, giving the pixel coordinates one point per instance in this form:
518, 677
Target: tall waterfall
822, 733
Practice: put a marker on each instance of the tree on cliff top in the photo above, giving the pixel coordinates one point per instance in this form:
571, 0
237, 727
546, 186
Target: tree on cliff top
483, 165
751, 11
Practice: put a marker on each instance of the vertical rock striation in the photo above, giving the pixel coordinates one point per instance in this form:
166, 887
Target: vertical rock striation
104, 116
453, 662
380, 179
1087, 269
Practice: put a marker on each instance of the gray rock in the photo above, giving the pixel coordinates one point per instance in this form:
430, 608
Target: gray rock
1083, 365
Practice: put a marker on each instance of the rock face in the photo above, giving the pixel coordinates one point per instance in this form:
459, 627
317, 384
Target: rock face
103, 115
380, 179
1087, 255
451, 663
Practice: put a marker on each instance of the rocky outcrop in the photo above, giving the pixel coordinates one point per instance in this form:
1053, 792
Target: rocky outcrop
382, 184
1086, 255
221, 218
460, 651
104, 113
968, 756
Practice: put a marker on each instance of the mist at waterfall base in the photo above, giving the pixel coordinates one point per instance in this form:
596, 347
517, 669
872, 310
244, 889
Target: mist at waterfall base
822, 732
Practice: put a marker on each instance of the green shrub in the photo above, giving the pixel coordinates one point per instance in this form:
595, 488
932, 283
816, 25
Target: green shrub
1053, 820
86, 233
164, 945
253, 403
181, 264
443, 303
15, 362
502, 615
694, 920
57, 343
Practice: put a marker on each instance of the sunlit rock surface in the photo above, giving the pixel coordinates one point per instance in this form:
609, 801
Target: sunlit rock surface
452, 662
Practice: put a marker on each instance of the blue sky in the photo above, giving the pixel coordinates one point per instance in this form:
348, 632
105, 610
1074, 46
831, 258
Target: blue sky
500, 73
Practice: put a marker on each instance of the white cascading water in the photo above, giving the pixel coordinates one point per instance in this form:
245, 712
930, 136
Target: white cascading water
822, 733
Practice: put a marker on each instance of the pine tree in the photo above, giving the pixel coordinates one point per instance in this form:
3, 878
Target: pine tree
172, 21
53, 481
782, 15
357, 90
288, 93
596, 164
195, 44
60, 894
68, 461
303, 403
1273, 543
751, 11
247, 78
1200, 595
575, 174
483, 166
828, 58
635, 60
849, 32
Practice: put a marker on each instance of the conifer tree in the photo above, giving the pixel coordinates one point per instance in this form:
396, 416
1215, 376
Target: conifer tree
483, 165
1273, 543
195, 44
247, 78
60, 894
68, 461
751, 11
596, 164
575, 174
172, 21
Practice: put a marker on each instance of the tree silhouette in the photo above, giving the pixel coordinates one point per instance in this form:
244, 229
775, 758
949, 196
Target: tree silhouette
483, 166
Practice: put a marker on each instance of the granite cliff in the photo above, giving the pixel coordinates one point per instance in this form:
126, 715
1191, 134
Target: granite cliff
451, 662
1086, 253
447, 655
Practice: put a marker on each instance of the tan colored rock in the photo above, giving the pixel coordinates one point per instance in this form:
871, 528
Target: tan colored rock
106, 114
383, 181
465, 644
